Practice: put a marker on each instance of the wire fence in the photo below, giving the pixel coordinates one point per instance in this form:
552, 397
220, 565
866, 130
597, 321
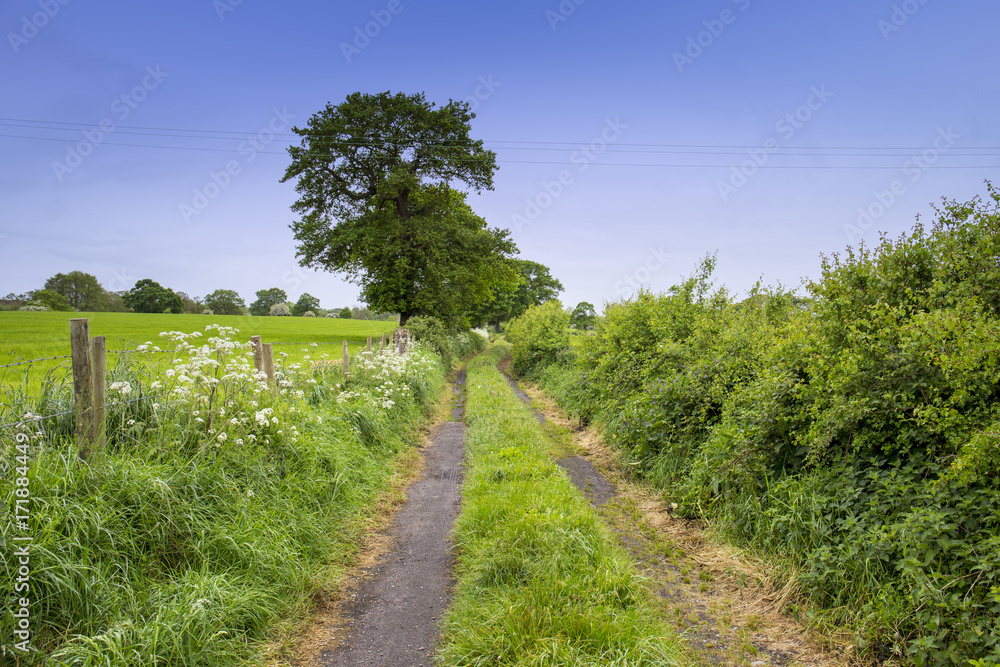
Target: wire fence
31, 418
31, 361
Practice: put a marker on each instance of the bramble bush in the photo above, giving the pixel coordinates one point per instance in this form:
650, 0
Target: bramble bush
851, 435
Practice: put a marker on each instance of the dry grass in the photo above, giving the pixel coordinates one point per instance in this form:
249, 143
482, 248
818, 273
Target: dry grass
730, 607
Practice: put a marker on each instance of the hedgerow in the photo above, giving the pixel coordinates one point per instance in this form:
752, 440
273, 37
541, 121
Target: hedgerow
850, 435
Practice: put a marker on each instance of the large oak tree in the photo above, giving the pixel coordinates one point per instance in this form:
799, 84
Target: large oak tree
375, 177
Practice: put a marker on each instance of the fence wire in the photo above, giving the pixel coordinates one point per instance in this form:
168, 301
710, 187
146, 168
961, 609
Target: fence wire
31, 361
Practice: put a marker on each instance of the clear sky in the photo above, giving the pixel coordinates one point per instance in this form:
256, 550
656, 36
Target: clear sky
147, 140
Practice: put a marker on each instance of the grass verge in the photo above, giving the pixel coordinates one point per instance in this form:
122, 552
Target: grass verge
541, 581
210, 519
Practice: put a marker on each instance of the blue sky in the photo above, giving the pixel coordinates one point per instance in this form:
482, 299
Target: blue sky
633, 138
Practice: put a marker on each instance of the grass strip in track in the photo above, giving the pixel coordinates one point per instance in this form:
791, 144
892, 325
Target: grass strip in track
540, 579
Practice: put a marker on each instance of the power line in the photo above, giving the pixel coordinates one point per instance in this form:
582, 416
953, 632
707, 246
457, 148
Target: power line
618, 148
563, 163
411, 141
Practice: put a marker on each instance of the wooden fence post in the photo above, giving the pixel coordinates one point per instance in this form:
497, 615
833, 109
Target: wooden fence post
83, 384
98, 360
382, 345
258, 354
369, 344
347, 359
268, 352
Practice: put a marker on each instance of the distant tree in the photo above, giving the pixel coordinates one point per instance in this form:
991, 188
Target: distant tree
225, 302
375, 176
535, 287
116, 302
280, 310
81, 290
305, 303
345, 313
148, 296
584, 316
52, 300
192, 305
267, 298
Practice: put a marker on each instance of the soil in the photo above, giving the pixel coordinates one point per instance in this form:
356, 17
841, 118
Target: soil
390, 616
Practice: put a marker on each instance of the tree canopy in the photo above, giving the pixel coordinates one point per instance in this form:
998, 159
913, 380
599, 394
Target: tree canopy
225, 302
307, 302
533, 286
52, 300
375, 176
80, 289
148, 296
584, 316
267, 298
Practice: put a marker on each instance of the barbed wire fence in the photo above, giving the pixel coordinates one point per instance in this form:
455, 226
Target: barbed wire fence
91, 404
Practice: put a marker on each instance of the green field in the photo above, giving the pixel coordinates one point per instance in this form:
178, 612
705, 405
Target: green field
27, 335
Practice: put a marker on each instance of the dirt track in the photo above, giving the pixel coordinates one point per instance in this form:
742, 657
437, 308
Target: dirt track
394, 616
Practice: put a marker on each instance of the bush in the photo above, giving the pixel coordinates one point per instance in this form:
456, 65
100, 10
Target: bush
539, 337
280, 310
852, 435
449, 346
309, 313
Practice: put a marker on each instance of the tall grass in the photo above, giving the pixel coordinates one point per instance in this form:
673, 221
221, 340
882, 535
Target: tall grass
541, 582
210, 515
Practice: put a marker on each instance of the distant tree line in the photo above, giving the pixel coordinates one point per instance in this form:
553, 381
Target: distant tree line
82, 292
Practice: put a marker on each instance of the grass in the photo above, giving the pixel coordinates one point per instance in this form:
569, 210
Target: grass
28, 335
540, 579
175, 545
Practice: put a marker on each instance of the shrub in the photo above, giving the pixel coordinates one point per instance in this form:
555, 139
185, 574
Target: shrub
450, 346
539, 336
280, 310
852, 435
309, 313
